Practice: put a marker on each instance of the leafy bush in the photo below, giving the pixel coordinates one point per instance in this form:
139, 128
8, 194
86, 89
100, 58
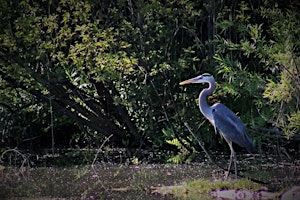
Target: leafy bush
113, 68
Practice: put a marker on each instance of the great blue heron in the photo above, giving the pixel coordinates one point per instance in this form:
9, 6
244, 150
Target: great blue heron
230, 127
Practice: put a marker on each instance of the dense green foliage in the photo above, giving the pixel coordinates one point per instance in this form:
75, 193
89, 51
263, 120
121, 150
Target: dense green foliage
113, 68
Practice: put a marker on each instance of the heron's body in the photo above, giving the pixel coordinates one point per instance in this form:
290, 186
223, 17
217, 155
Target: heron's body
235, 130
223, 119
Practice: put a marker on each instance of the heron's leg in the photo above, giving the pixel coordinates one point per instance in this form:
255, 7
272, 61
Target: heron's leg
232, 157
234, 160
229, 167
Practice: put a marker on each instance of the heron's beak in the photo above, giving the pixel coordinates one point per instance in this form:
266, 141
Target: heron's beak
189, 81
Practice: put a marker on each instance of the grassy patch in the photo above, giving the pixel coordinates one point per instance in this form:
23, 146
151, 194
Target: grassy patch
201, 188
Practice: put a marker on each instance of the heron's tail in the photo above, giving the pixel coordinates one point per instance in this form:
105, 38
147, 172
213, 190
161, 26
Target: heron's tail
251, 148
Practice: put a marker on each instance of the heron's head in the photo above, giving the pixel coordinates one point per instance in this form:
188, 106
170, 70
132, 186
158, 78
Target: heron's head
204, 78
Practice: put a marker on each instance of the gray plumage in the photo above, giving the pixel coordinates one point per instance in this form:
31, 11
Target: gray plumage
234, 130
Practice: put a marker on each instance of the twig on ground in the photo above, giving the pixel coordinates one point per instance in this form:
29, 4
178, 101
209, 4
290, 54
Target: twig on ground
95, 158
16, 151
201, 145
100, 150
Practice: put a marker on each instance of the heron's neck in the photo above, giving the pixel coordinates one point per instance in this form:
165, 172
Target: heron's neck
203, 105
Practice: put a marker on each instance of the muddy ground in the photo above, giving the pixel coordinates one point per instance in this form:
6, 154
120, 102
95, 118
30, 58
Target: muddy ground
137, 181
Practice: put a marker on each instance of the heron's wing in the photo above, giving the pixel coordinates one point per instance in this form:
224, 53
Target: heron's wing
230, 126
